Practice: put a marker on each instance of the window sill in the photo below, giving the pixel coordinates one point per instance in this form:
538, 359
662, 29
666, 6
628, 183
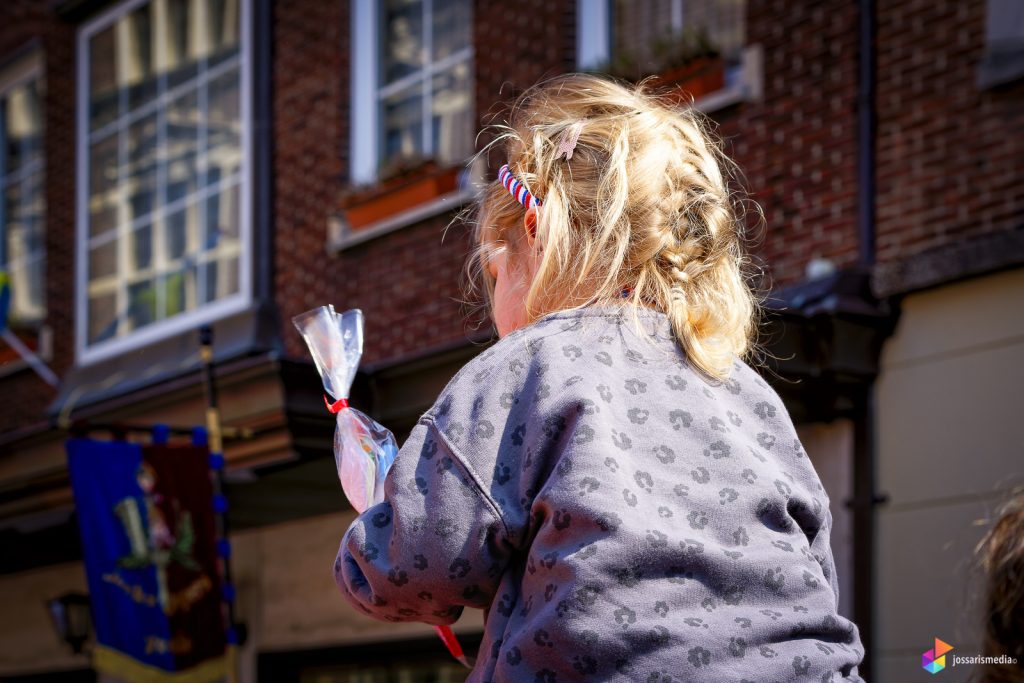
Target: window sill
341, 236
1000, 67
250, 331
744, 84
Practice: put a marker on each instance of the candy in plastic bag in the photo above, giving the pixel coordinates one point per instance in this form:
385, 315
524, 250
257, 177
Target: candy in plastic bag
363, 449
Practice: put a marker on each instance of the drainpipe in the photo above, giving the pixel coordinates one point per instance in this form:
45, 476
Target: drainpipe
865, 495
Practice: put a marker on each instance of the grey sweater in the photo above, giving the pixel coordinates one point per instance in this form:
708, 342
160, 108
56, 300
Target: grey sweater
617, 516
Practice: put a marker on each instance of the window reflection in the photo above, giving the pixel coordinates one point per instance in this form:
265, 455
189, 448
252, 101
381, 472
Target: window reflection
403, 38
165, 163
426, 104
452, 105
403, 122
639, 25
452, 27
22, 205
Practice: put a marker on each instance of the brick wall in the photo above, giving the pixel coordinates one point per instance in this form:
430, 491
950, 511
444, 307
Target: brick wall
23, 396
949, 153
798, 148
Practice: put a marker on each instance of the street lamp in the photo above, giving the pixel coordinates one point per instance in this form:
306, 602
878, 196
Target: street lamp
71, 618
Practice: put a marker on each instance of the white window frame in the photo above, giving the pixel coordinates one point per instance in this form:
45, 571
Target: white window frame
366, 90
189, 320
23, 71
594, 46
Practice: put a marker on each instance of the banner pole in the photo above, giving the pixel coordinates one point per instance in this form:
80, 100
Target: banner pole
213, 427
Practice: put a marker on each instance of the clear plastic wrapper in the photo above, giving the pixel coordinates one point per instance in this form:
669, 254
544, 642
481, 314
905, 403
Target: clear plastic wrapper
363, 449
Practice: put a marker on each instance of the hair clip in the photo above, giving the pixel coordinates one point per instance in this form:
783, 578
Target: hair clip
567, 142
516, 188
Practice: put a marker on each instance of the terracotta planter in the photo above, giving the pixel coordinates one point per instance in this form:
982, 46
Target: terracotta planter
697, 78
396, 197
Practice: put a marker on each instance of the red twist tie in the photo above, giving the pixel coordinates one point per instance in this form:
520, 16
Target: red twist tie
337, 406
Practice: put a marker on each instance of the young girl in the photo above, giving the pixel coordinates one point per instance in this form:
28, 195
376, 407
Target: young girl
623, 496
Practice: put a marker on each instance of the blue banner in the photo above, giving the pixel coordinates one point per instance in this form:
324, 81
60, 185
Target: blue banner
146, 520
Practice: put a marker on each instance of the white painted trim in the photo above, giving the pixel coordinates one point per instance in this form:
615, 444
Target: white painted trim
593, 33
364, 131
86, 354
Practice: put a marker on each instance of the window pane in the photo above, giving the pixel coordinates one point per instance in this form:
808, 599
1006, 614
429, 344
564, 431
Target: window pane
645, 31
220, 278
224, 127
722, 19
181, 233
452, 104
141, 253
140, 175
135, 69
103, 92
219, 274
24, 249
182, 143
182, 49
403, 123
102, 317
402, 39
141, 304
179, 291
23, 124
222, 220
223, 26
103, 261
103, 186
28, 302
452, 27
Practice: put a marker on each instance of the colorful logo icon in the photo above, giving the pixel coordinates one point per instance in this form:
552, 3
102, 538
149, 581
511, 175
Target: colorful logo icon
934, 661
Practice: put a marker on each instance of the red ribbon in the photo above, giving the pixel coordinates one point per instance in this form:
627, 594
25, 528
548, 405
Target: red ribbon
337, 406
452, 643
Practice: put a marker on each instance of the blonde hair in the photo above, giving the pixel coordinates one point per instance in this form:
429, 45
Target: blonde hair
643, 202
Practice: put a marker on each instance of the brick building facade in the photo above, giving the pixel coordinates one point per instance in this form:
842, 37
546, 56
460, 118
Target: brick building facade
892, 194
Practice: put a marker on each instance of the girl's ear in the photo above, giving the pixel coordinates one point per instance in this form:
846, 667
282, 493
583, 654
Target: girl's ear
530, 224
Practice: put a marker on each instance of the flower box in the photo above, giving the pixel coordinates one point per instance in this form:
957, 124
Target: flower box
694, 79
364, 207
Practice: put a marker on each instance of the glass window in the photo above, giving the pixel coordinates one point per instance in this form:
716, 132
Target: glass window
426, 95
165, 165
644, 28
22, 206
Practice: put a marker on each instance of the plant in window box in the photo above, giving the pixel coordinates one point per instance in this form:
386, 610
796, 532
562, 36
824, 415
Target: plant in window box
680, 65
403, 183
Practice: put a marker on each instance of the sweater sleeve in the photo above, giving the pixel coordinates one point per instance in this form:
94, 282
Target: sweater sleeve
435, 545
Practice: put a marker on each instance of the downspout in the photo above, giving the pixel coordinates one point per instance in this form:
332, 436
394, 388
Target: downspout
865, 496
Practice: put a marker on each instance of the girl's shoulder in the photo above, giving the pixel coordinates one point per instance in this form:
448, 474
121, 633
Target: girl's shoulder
554, 352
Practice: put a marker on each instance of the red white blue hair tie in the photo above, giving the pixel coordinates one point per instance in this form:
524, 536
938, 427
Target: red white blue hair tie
518, 190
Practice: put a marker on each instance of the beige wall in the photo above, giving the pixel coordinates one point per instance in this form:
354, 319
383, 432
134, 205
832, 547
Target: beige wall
950, 448
28, 640
286, 596
830, 448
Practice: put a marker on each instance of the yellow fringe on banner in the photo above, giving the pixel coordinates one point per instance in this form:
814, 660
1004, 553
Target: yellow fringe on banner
107, 660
